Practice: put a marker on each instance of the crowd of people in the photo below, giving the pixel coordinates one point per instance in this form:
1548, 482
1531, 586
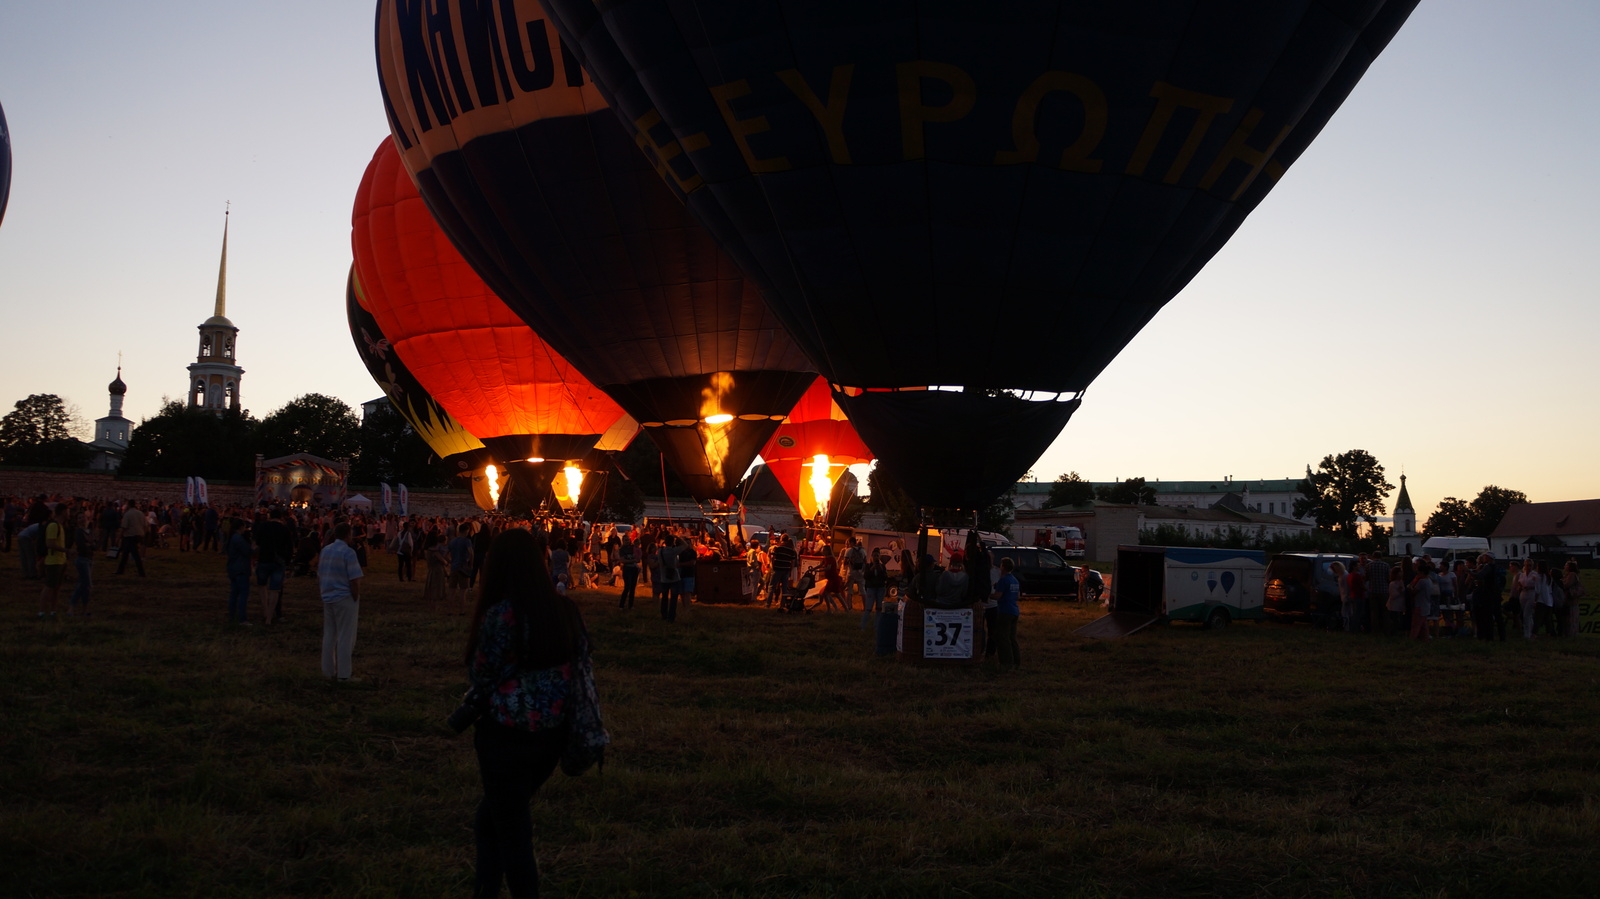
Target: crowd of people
1424, 599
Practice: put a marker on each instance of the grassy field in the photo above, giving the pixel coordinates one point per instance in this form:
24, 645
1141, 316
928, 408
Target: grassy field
155, 751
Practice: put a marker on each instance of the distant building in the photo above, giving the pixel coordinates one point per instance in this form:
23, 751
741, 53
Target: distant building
111, 433
1106, 525
215, 374
1403, 537
1571, 528
1271, 496
374, 407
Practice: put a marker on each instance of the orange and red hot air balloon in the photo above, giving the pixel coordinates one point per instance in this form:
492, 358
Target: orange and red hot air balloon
812, 447
443, 434
475, 356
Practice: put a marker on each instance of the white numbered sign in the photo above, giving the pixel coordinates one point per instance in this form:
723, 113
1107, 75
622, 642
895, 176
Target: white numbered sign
947, 633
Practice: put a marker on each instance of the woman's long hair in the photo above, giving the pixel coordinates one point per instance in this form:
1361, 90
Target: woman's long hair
549, 630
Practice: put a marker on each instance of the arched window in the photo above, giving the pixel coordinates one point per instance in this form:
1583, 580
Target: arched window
227, 348
205, 345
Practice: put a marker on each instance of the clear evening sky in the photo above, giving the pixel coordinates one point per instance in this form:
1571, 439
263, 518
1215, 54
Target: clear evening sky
1421, 284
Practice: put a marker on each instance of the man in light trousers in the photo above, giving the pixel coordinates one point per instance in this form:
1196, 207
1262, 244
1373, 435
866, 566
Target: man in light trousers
339, 576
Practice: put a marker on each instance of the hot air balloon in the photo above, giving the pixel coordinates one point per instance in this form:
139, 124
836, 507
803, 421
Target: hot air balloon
443, 434
986, 200
533, 411
553, 203
5, 164
812, 447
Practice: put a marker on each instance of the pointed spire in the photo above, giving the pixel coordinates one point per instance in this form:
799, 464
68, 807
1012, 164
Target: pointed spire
222, 272
1403, 503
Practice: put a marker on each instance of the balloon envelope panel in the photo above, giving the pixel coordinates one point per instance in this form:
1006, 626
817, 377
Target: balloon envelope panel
995, 196
5, 164
473, 354
443, 434
552, 202
815, 427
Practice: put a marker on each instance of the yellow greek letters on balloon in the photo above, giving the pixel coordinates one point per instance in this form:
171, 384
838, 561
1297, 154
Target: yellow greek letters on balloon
661, 155
1237, 150
1024, 136
829, 115
913, 114
742, 129
1168, 100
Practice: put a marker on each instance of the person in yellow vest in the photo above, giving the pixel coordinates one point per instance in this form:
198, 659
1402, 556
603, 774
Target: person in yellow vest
54, 545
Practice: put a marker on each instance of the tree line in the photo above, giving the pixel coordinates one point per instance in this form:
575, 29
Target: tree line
180, 441
1341, 494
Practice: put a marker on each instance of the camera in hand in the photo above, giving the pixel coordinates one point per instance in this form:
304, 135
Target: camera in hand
472, 705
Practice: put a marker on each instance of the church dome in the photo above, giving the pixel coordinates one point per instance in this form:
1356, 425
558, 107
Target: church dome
218, 320
117, 388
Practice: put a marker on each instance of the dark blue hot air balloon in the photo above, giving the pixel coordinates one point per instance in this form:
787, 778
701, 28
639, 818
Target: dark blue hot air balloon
5, 164
551, 202
991, 198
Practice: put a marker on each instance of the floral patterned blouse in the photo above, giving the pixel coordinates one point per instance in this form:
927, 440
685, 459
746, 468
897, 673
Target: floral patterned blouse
530, 700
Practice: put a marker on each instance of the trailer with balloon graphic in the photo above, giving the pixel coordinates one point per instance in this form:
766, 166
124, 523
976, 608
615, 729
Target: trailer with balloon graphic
1182, 583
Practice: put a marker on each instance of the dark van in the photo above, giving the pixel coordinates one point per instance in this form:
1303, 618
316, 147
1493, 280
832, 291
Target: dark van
1040, 571
1302, 587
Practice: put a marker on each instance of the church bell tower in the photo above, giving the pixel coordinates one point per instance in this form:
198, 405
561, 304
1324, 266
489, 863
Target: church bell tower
215, 374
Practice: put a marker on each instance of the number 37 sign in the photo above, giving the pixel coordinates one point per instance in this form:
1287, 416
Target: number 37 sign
947, 633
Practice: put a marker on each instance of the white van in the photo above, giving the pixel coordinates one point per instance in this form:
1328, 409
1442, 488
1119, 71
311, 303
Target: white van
1448, 549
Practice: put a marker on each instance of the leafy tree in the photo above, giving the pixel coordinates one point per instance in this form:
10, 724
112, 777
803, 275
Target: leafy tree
1069, 490
998, 515
623, 500
182, 442
38, 431
1488, 507
1448, 520
899, 512
642, 463
391, 451
1376, 541
1132, 492
1478, 518
313, 423
41, 418
1344, 489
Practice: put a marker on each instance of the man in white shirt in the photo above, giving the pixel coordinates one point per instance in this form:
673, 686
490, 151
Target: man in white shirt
339, 577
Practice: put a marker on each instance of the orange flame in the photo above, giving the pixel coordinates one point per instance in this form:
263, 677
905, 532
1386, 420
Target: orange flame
821, 483
715, 421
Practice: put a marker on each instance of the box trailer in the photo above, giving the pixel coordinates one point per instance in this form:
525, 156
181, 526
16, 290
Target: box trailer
1181, 583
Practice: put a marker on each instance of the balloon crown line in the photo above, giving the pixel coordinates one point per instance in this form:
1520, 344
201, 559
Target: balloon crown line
1021, 393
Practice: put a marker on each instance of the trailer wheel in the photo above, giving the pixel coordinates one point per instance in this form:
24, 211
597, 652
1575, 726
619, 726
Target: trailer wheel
1218, 619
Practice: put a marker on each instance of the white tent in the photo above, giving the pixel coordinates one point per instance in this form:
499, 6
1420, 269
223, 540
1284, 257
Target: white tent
359, 501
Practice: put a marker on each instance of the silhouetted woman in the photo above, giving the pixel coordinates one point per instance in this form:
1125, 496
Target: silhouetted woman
523, 653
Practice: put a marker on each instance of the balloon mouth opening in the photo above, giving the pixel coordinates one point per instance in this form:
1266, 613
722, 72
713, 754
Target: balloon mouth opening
534, 459
1020, 393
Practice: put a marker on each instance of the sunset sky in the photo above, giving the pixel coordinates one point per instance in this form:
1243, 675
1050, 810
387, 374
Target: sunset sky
1420, 285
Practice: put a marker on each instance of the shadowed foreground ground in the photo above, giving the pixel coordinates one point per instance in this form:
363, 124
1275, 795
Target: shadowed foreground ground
153, 751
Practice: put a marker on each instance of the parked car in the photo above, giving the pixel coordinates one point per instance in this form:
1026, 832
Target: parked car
1302, 587
1040, 571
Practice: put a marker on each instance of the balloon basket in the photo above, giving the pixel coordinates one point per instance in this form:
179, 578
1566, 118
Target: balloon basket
940, 638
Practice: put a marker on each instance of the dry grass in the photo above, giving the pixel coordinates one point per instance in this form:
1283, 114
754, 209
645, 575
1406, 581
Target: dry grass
154, 751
